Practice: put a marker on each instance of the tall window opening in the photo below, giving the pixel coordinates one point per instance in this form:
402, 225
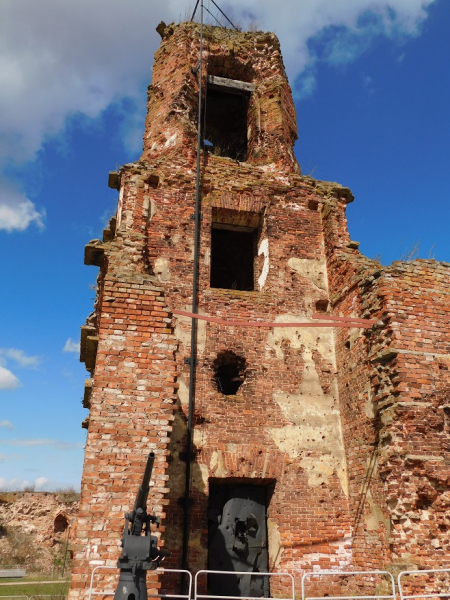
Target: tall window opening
225, 127
232, 258
234, 241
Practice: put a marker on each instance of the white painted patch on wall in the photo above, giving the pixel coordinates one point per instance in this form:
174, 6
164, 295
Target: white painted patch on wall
119, 208
152, 210
294, 206
171, 141
263, 249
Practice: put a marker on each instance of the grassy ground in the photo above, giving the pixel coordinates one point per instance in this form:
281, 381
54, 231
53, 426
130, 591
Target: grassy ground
34, 586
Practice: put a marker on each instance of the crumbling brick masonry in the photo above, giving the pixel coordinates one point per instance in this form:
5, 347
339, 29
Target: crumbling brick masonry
341, 435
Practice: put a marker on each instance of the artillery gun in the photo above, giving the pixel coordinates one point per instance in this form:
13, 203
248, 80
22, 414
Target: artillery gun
140, 552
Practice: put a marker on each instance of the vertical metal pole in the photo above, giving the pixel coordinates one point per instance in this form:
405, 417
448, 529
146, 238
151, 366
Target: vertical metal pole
67, 546
193, 354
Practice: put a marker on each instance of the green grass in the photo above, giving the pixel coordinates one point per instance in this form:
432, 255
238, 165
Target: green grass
56, 588
31, 577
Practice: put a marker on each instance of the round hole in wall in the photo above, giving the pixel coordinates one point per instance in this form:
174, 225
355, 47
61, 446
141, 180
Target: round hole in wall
60, 524
229, 372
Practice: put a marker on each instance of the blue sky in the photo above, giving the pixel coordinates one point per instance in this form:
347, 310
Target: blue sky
372, 91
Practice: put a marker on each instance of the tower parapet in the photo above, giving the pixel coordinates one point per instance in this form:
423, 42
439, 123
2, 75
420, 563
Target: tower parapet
248, 110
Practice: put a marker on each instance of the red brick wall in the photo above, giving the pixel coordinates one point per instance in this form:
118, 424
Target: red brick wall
347, 427
394, 385
132, 403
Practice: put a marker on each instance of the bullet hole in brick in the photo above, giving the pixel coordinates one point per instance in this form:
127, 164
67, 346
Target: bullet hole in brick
200, 420
229, 372
321, 305
347, 345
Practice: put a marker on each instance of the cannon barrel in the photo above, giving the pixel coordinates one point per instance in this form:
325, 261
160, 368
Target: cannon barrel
142, 495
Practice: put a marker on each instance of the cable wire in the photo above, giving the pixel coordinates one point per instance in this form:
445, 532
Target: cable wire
215, 18
195, 10
218, 7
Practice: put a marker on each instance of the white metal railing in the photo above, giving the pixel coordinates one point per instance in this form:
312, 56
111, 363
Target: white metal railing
305, 578
404, 596
240, 573
158, 571
347, 574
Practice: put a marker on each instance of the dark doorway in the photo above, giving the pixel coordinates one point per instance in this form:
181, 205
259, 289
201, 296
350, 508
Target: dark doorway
232, 257
226, 124
237, 539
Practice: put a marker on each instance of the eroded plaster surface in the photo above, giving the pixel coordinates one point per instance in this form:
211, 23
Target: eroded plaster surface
183, 331
161, 269
274, 542
339, 560
314, 434
313, 269
216, 464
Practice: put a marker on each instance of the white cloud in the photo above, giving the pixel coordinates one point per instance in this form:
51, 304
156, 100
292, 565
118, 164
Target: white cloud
16, 211
20, 358
42, 484
2, 457
71, 346
30, 442
6, 425
13, 484
59, 59
8, 381
39, 485
345, 28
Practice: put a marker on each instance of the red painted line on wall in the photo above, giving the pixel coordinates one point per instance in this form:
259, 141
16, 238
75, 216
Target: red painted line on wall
344, 319
347, 323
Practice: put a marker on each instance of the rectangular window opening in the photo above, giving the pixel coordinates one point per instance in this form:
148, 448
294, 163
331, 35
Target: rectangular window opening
225, 127
235, 236
233, 257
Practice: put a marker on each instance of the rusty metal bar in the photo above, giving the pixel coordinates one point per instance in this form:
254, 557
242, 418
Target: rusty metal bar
219, 321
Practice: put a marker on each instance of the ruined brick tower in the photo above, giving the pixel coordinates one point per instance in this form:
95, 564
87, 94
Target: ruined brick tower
328, 447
